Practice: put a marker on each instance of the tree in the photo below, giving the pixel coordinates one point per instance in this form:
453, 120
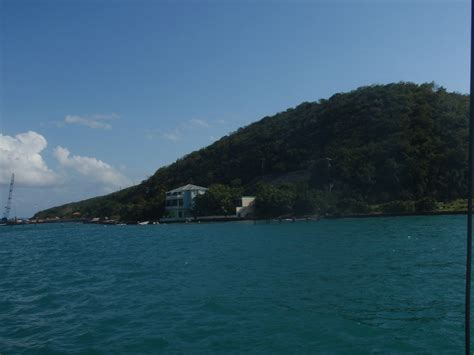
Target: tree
219, 200
321, 174
274, 201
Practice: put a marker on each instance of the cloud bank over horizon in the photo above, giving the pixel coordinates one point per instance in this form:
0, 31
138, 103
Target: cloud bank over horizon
21, 155
92, 168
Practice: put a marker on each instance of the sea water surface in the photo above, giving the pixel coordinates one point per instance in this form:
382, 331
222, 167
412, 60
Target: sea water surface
375, 285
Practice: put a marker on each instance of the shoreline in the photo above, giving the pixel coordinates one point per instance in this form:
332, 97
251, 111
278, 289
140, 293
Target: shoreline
396, 214
278, 219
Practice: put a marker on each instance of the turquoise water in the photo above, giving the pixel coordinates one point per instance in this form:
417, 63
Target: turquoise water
333, 286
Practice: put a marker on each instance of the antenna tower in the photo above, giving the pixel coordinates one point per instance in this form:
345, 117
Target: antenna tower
8, 206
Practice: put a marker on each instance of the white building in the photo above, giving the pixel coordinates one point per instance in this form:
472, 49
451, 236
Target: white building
245, 206
180, 201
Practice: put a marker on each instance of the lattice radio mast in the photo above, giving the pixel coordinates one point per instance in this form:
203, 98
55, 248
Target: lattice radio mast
8, 206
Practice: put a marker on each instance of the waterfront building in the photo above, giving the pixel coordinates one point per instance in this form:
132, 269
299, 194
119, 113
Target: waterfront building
245, 206
180, 201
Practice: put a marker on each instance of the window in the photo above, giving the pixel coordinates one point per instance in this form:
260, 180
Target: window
180, 202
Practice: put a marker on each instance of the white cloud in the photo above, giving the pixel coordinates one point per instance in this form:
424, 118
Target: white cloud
92, 168
201, 123
21, 155
94, 121
172, 136
181, 130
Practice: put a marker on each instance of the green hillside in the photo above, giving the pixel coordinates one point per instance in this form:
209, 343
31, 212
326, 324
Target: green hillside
392, 145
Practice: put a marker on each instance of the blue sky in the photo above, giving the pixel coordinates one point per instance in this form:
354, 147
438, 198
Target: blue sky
112, 90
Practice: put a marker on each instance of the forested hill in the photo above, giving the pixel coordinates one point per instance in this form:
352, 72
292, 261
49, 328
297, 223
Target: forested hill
376, 144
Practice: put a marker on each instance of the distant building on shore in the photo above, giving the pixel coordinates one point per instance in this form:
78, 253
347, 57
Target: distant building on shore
245, 206
180, 201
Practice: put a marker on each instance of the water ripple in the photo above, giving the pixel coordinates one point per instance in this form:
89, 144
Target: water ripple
340, 286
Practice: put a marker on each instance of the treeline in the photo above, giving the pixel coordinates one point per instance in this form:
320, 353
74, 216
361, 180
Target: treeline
301, 200
382, 145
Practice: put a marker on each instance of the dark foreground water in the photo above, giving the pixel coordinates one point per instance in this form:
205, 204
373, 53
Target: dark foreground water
333, 286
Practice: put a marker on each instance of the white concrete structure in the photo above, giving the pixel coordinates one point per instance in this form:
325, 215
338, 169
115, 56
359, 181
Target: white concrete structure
245, 206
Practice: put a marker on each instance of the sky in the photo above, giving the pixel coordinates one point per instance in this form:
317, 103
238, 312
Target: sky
96, 95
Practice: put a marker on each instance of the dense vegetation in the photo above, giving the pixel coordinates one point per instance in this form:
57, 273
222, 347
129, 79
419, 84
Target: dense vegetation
398, 147
219, 200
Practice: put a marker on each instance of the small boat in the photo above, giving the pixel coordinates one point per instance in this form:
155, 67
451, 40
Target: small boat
144, 223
